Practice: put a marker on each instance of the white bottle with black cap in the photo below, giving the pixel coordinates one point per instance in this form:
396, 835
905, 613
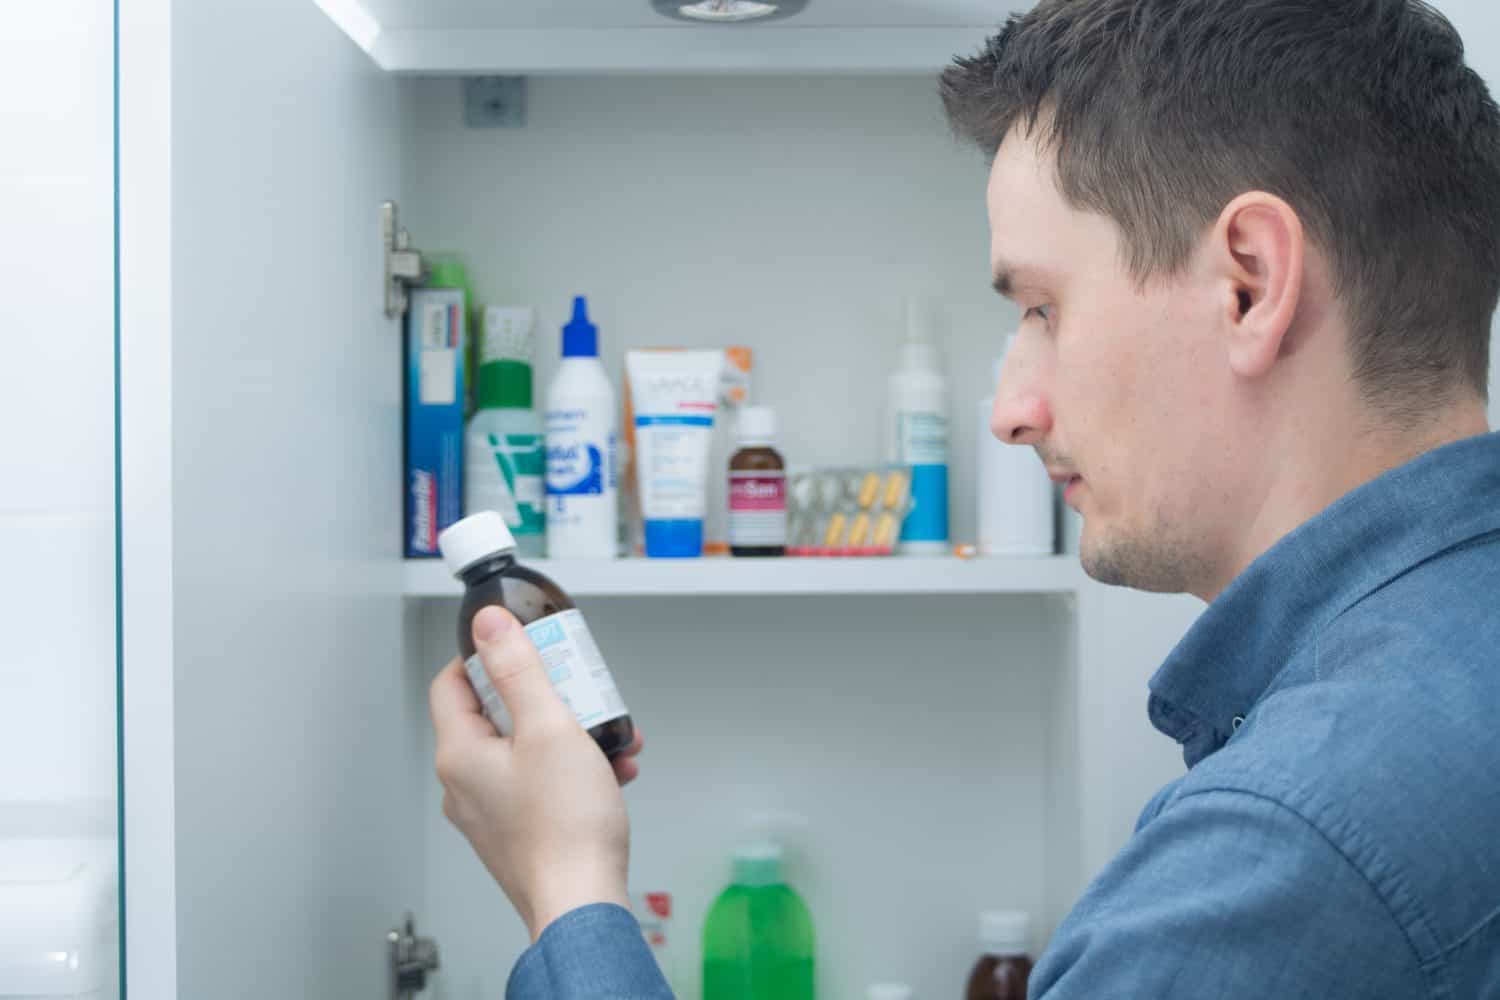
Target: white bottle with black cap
481, 552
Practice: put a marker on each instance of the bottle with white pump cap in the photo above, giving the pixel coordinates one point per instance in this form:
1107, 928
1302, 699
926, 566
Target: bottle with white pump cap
481, 552
917, 435
1004, 967
1017, 501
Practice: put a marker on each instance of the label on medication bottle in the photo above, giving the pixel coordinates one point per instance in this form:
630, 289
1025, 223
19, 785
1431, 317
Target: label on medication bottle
757, 508
574, 665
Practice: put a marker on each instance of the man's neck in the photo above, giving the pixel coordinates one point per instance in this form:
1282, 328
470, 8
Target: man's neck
1308, 469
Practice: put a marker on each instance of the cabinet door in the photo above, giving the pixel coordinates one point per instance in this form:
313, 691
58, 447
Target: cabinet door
59, 891
284, 735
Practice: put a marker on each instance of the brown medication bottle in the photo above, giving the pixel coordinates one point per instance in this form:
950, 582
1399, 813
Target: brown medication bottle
481, 552
1003, 967
757, 487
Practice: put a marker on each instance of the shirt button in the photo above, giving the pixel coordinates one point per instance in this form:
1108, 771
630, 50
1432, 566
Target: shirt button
1239, 720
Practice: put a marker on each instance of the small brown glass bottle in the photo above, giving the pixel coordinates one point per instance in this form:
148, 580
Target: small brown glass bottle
481, 552
757, 488
1003, 968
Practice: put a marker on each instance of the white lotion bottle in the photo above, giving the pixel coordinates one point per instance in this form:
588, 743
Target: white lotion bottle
581, 423
1016, 501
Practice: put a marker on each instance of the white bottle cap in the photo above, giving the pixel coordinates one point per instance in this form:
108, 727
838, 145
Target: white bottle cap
476, 537
757, 425
1004, 932
890, 991
757, 864
507, 334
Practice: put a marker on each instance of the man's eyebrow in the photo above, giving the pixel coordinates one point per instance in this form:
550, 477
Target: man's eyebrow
1008, 275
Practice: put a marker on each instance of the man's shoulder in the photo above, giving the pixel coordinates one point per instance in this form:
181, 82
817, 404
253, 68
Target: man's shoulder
1395, 761
1437, 622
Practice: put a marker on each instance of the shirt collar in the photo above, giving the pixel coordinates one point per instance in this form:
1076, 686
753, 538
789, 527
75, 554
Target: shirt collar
1233, 653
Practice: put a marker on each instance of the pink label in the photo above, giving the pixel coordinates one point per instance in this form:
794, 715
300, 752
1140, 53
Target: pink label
757, 491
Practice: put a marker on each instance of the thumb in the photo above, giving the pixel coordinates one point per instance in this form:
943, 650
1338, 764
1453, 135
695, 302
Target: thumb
515, 668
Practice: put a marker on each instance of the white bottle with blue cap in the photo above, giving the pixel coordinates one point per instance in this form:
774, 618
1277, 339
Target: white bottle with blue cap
581, 424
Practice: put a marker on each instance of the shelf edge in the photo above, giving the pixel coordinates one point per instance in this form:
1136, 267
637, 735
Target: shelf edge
674, 51
1060, 575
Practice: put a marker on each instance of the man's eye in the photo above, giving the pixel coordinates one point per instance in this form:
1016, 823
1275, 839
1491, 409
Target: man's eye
1044, 313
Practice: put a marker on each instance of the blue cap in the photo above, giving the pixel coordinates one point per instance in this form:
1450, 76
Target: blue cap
680, 539
580, 337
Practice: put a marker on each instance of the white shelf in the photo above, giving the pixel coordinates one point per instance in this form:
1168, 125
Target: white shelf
771, 577
524, 37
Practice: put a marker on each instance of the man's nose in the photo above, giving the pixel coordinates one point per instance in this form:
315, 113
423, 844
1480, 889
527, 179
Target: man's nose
1022, 413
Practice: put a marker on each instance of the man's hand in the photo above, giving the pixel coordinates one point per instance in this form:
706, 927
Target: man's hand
540, 806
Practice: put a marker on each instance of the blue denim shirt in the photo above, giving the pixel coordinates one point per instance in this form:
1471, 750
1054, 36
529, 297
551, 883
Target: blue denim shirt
1337, 835
593, 953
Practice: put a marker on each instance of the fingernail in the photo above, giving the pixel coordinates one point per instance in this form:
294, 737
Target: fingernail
491, 623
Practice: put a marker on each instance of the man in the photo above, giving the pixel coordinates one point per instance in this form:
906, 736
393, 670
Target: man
1257, 248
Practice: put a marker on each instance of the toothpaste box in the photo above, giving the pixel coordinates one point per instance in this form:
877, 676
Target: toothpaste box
434, 411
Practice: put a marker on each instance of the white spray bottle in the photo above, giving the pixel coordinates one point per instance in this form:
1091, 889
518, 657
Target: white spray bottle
917, 435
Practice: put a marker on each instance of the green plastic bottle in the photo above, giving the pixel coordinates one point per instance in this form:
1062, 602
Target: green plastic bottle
505, 463
758, 939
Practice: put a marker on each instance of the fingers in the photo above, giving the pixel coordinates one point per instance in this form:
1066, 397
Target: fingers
455, 709
515, 669
627, 769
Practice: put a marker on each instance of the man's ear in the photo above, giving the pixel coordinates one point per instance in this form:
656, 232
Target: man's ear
1258, 249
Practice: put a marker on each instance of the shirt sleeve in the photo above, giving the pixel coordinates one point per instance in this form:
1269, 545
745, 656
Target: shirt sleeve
592, 953
1230, 894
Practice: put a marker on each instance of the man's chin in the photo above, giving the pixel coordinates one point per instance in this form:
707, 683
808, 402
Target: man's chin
1136, 563
1098, 564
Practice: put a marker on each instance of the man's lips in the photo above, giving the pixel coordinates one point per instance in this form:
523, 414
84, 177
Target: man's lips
1069, 481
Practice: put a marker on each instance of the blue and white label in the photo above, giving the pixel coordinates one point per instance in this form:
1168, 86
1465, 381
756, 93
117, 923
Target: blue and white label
921, 437
580, 453
575, 469
675, 420
675, 394
581, 481
673, 456
922, 442
574, 665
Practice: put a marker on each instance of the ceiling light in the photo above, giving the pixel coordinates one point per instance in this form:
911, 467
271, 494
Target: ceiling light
728, 11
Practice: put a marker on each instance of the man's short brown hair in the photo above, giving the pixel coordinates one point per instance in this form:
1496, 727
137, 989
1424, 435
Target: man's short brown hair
1361, 114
